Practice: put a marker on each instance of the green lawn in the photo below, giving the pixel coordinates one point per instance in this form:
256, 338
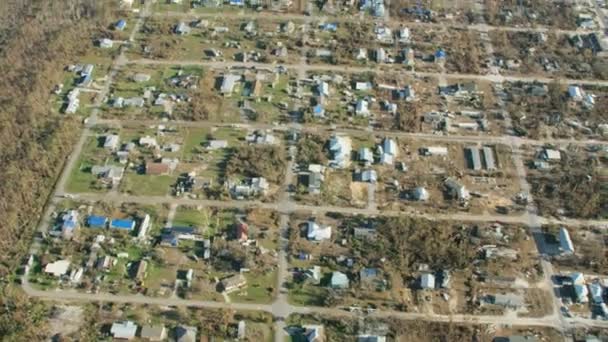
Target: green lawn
256, 290
307, 295
190, 217
147, 185
81, 179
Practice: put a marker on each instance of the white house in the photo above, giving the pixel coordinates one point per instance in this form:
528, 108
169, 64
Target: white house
57, 268
362, 108
434, 151
340, 148
316, 232
427, 281
111, 142
124, 330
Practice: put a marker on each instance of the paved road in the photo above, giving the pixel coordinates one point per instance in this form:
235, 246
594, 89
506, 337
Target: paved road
119, 198
267, 15
486, 139
358, 70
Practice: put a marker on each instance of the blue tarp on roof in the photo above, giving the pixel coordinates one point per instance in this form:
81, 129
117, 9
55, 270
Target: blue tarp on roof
122, 224
440, 54
121, 24
96, 221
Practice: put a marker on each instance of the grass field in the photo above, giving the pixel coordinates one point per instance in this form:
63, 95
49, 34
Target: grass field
147, 185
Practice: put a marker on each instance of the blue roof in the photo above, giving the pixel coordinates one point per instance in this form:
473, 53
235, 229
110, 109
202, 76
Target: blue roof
122, 224
121, 24
318, 109
96, 221
237, 2
440, 53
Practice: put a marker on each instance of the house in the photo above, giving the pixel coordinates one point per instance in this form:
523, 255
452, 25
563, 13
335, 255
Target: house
362, 108
94, 221
550, 155
371, 338
565, 243
216, 144
365, 155
109, 173
241, 330
316, 232
137, 102
104, 262
367, 176
388, 151
575, 93
577, 278
427, 281
309, 333
380, 55
581, 293
420, 194
473, 157
185, 333
253, 187
155, 168
404, 35
434, 151
340, 150
138, 270
488, 158
314, 274
365, 233
322, 89
69, 223
339, 280
148, 141
120, 25
369, 277
510, 300
105, 43
516, 338
318, 111
407, 57
141, 77
406, 94
181, 28
228, 83
123, 224
597, 293
242, 231
57, 268
73, 101
312, 181
331, 27
233, 283
172, 237
153, 333
384, 34
362, 86
123, 330
111, 142
457, 190
361, 54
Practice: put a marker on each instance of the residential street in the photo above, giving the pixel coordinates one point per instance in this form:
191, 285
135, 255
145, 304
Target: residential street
280, 308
